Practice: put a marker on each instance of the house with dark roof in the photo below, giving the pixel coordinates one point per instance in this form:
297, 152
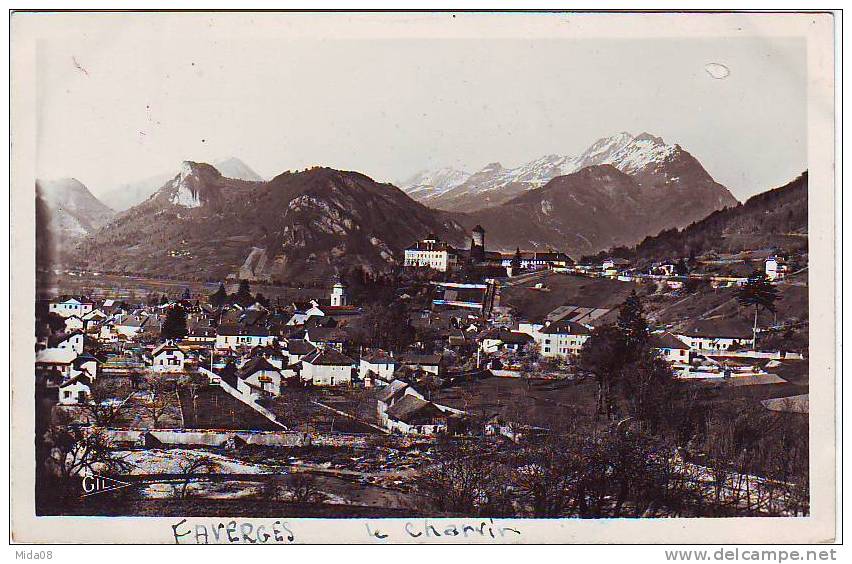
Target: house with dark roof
413, 415
496, 340
327, 337
537, 260
86, 363
76, 390
327, 367
376, 367
670, 347
73, 341
421, 362
235, 336
562, 338
168, 357
258, 378
717, 334
295, 349
403, 409
132, 325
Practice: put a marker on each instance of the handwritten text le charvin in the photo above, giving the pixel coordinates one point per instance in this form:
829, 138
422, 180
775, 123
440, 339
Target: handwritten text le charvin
429, 531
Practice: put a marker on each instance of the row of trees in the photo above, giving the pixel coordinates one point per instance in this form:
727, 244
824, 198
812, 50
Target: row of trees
243, 296
628, 473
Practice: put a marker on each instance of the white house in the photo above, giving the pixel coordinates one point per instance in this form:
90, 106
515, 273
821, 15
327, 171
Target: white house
775, 267
76, 390
430, 363
670, 347
131, 325
72, 341
231, 336
327, 367
74, 323
536, 260
392, 392
168, 357
85, 363
71, 306
512, 341
561, 339
56, 360
259, 378
95, 315
402, 409
377, 367
327, 337
717, 334
295, 349
431, 253
611, 266
413, 415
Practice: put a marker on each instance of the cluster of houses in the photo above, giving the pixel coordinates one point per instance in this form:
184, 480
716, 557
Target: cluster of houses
674, 273
255, 350
61, 360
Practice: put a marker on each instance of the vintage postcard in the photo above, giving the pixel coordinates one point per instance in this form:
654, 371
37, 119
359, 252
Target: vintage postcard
423, 277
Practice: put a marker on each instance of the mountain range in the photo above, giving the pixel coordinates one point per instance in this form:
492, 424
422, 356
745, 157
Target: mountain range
204, 223
777, 218
646, 158
134, 192
302, 226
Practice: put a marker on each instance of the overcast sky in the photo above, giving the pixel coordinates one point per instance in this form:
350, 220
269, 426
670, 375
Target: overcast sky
113, 109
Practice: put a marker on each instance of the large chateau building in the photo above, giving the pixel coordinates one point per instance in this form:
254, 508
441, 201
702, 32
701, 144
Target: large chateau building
432, 253
439, 255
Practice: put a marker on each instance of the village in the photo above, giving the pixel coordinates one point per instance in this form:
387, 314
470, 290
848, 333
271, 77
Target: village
339, 402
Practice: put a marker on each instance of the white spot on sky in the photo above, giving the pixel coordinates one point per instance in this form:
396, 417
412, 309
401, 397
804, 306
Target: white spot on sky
717, 70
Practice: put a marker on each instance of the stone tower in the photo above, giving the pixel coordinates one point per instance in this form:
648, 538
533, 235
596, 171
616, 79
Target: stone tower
477, 244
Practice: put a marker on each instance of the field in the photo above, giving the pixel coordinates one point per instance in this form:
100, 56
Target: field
211, 408
562, 289
540, 403
137, 288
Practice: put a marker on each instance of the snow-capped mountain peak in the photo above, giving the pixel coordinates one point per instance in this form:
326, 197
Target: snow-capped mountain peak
428, 184
185, 190
644, 155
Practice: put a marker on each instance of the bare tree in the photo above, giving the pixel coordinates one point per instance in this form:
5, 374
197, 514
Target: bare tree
189, 470
159, 397
106, 401
304, 488
544, 476
77, 451
465, 484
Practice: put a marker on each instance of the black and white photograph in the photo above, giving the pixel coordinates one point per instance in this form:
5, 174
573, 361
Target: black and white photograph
423, 276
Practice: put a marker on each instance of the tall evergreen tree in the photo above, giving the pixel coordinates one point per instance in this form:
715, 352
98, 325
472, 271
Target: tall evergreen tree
219, 297
632, 378
174, 326
632, 325
243, 295
758, 293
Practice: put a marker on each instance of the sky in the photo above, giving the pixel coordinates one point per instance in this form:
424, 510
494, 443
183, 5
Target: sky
113, 108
